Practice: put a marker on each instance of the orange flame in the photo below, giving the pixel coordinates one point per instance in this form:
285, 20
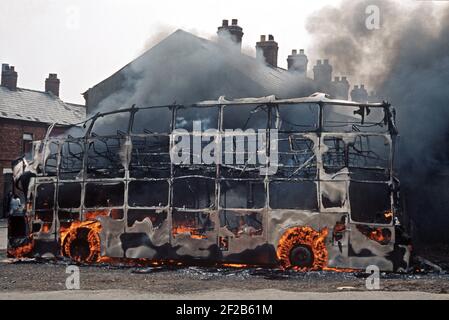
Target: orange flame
233, 265
22, 251
193, 232
45, 227
304, 236
388, 216
380, 235
81, 241
93, 215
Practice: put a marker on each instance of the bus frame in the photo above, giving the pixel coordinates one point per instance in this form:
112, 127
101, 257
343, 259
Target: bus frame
333, 202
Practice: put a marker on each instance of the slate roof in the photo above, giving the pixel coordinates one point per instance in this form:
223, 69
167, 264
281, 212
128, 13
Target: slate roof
37, 106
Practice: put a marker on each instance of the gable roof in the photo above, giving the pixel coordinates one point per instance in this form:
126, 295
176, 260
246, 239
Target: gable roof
204, 66
37, 106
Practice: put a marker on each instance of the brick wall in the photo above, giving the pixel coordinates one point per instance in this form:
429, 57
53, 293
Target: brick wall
11, 147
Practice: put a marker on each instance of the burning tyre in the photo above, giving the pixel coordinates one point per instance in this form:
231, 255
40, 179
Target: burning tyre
81, 242
303, 248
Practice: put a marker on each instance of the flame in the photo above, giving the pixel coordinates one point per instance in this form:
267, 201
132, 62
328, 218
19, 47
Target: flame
93, 215
22, 251
377, 235
81, 241
234, 265
380, 235
388, 215
305, 236
193, 232
46, 227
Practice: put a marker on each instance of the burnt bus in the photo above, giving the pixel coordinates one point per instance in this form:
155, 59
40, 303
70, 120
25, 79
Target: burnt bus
321, 194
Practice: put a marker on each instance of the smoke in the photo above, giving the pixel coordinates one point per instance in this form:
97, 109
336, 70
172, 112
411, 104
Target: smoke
185, 69
406, 60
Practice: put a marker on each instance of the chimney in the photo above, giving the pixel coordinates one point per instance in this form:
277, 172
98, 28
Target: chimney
359, 94
233, 31
298, 62
9, 77
52, 84
322, 72
341, 88
268, 49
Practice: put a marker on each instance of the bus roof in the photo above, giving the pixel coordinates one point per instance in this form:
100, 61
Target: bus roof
316, 98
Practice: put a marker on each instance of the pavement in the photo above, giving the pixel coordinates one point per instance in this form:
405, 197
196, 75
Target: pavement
265, 294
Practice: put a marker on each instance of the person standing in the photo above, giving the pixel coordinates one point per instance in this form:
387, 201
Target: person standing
15, 205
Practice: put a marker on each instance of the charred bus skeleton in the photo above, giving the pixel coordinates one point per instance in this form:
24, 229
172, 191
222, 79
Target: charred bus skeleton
109, 190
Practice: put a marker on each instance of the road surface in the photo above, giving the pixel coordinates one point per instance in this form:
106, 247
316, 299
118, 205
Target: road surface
47, 280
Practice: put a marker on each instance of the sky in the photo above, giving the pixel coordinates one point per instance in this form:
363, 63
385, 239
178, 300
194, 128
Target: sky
85, 41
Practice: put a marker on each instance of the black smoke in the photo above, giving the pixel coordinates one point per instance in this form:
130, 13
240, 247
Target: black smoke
406, 61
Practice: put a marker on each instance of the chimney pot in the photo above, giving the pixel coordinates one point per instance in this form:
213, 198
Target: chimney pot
318, 62
52, 84
9, 77
337, 79
362, 86
294, 52
356, 87
268, 50
301, 51
234, 31
344, 78
326, 61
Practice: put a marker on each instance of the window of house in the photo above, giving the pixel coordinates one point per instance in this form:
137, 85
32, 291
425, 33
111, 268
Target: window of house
27, 145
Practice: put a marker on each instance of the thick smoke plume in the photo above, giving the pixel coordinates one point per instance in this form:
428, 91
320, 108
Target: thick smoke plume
406, 61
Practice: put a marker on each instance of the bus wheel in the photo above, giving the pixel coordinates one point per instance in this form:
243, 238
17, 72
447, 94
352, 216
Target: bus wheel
82, 243
301, 256
303, 248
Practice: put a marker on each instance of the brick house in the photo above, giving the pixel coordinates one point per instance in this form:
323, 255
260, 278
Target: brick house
25, 115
